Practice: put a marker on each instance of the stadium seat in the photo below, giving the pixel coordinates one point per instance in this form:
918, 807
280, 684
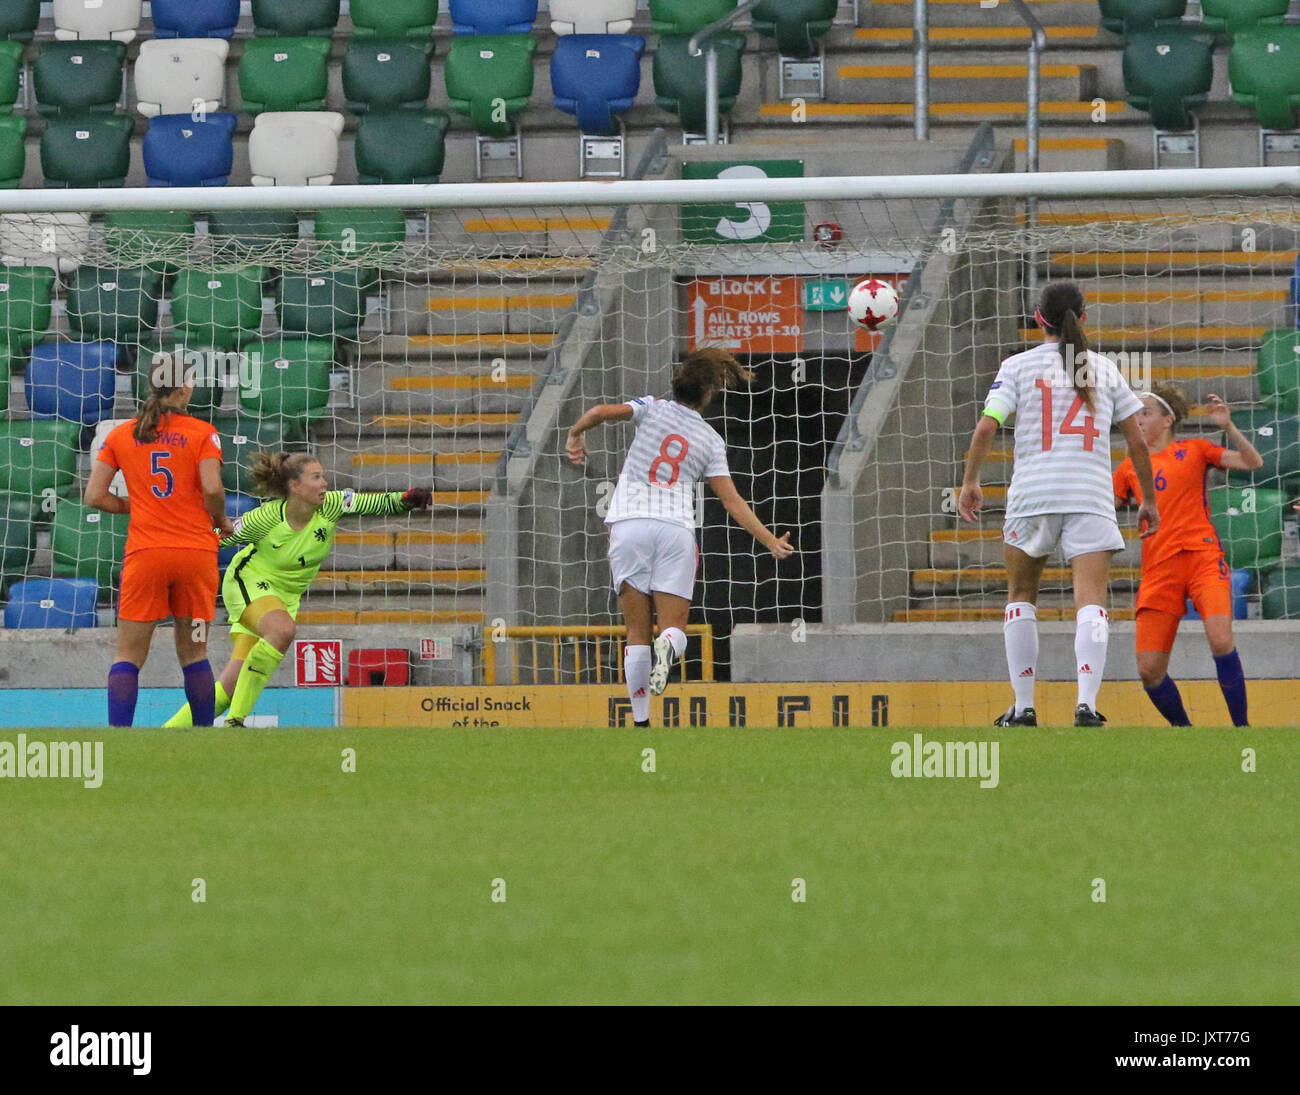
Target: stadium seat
687, 16
17, 536
387, 74
8, 357
324, 303
1276, 435
87, 151
218, 308
592, 16
1281, 600
679, 78
485, 71
118, 20
11, 66
1168, 73
1126, 17
1236, 15
595, 77
19, 19
356, 228
1249, 523
493, 16
295, 148
139, 238
241, 436
180, 77
76, 77
39, 455
394, 18
87, 543
25, 306
294, 381
236, 506
194, 18
74, 381
113, 303
1278, 369
13, 151
404, 146
279, 74
64, 603
797, 25
178, 151
1264, 69
57, 240
212, 371
254, 229
295, 17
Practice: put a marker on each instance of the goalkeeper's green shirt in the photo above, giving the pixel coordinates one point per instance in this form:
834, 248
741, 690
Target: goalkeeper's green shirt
289, 558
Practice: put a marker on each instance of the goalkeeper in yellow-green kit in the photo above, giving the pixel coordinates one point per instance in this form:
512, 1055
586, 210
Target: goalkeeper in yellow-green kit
288, 538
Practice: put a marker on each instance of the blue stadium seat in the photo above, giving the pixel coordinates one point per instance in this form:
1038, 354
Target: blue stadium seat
178, 151
596, 77
493, 16
52, 602
74, 381
236, 506
195, 18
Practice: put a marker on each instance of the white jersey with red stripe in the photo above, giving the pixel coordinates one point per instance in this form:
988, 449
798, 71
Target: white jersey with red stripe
673, 449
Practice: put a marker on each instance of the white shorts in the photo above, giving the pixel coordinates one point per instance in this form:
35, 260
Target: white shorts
652, 556
1076, 533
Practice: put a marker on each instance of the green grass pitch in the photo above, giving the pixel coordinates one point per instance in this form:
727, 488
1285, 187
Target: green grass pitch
622, 886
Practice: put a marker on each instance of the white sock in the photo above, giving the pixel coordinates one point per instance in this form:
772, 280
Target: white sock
1091, 636
636, 671
677, 637
1020, 634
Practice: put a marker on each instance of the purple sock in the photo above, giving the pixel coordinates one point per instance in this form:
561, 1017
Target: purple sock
1233, 683
1169, 702
201, 691
123, 686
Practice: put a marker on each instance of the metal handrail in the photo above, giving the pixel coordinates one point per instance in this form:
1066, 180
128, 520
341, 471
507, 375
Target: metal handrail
1037, 44
921, 69
695, 47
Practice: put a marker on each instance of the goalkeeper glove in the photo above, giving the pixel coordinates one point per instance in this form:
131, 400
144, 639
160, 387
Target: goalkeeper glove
417, 498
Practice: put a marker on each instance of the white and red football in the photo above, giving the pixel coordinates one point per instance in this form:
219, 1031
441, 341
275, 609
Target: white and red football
873, 304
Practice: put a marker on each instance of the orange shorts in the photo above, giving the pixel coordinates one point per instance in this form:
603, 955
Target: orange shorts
1162, 597
162, 582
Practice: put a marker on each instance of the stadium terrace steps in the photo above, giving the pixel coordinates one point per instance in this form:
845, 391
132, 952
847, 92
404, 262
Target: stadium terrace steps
348, 611
971, 15
995, 79
999, 112
1083, 152
407, 544
402, 581
967, 547
993, 579
959, 613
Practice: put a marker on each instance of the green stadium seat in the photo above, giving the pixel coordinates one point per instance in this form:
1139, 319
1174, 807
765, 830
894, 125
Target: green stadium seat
113, 304
679, 78
221, 308
1168, 73
295, 17
1134, 16
138, 238
483, 71
78, 77
688, 16
404, 146
1276, 435
1281, 600
7, 359
387, 73
284, 74
254, 229
1264, 69
1278, 369
25, 306
1237, 15
39, 455
394, 18
11, 66
87, 543
241, 436
1249, 523
348, 230
210, 365
17, 536
324, 303
13, 151
19, 19
797, 25
294, 381
89, 151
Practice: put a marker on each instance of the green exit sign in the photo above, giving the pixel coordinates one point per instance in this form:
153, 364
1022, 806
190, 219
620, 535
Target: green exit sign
825, 296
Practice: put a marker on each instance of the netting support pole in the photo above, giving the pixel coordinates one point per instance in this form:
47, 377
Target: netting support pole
695, 46
921, 69
1037, 44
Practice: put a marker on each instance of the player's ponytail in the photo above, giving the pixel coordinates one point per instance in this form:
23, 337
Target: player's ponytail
273, 473
704, 372
1061, 309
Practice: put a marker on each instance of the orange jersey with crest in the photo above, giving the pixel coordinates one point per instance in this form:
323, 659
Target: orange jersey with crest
162, 482
1179, 470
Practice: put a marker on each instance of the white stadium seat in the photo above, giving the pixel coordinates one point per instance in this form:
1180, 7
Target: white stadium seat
116, 19
57, 240
592, 16
295, 147
180, 75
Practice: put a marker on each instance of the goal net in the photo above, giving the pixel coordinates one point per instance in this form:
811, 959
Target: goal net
450, 346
